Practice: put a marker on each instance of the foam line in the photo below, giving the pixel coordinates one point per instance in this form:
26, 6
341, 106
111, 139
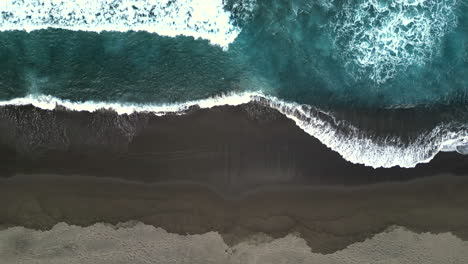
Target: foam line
354, 145
49, 103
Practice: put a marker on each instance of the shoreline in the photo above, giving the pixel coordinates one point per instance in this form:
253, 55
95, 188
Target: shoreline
380, 140
238, 147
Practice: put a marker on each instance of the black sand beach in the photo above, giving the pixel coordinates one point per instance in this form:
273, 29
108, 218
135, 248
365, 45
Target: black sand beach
222, 169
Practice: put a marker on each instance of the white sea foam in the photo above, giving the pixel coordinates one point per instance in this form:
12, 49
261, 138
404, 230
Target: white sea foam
49, 103
205, 19
380, 38
351, 143
360, 148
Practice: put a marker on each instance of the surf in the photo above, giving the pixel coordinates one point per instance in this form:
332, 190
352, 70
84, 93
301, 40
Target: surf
205, 19
352, 143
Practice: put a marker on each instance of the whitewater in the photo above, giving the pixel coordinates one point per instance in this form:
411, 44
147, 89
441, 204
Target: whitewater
204, 19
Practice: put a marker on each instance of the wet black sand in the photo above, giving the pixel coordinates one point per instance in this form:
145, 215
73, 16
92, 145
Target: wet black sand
231, 148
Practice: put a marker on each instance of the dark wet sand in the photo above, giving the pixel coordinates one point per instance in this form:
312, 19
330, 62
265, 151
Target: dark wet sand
250, 170
231, 148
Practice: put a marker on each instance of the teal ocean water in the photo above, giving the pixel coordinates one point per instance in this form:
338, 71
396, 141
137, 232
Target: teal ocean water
321, 55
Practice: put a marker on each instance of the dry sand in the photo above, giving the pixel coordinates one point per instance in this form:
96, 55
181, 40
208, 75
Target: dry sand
137, 243
328, 218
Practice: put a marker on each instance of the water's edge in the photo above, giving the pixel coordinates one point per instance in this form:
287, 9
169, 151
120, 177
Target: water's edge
352, 142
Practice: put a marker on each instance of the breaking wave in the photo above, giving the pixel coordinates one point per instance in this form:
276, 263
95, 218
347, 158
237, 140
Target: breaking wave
206, 19
352, 143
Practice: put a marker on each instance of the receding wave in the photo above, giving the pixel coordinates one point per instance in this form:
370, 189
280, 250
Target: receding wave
352, 143
205, 19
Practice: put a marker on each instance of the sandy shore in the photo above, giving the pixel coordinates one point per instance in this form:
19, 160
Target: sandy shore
328, 218
138, 243
224, 169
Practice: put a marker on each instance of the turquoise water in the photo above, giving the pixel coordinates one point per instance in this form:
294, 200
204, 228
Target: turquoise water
345, 53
